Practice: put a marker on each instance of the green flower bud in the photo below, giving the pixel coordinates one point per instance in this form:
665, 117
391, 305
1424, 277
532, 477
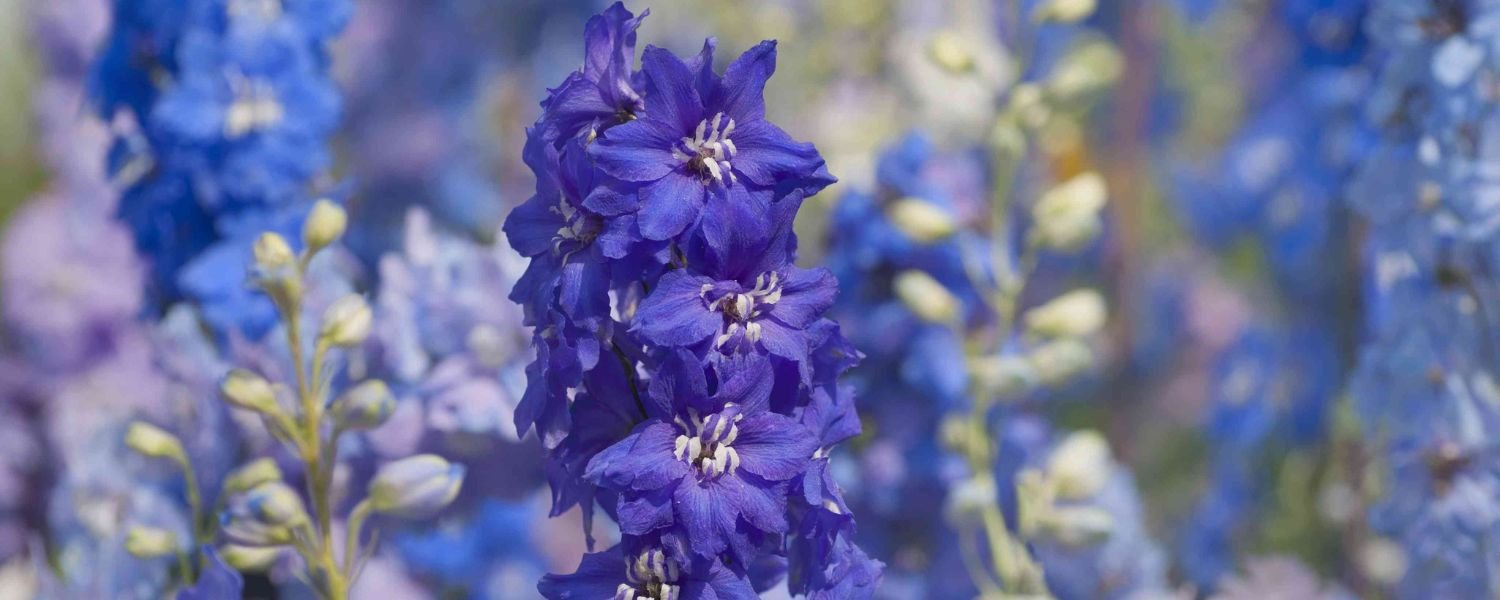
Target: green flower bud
268, 515
926, 297
324, 225
150, 542
154, 442
252, 475
1080, 466
249, 559
1064, 11
364, 407
272, 253
347, 322
1067, 216
1075, 314
249, 391
415, 486
921, 221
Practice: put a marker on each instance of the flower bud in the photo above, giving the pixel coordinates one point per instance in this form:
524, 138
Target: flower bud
1067, 216
1087, 69
365, 407
1060, 360
324, 225
921, 221
415, 486
249, 559
948, 50
1075, 314
267, 515
1078, 525
347, 321
1064, 11
150, 542
272, 253
970, 498
1080, 466
249, 391
1003, 376
154, 442
252, 475
926, 297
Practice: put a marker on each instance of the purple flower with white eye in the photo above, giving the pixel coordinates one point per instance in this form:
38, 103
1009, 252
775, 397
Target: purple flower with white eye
704, 136
651, 574
716, 480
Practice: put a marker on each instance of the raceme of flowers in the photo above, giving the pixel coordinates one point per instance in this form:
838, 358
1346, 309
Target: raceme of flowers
685, 377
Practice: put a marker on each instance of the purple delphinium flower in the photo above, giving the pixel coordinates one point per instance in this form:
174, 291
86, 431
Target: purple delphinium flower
678, 347
702, 137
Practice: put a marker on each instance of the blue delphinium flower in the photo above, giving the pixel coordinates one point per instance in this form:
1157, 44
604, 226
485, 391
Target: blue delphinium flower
1425, 386
226, 107
681, 355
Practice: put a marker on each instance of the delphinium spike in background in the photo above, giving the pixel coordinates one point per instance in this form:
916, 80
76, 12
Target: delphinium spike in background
1274, 192
935, 257
685, 379
222, 110
1426, 386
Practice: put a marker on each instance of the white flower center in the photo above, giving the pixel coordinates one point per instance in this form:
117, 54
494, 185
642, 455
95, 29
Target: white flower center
706, 443
709, 150
741, 309
255, 107
651, 576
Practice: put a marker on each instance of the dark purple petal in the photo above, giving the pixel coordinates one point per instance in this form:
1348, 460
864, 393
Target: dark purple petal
598, 576
674, 314
672, 98
584, 293
706, 514
645, 513
768, 156
669, 205
745, 83
761, 504
531, 227
638, 151
680, 381
609, 39
774, 447
805, 295
611, 200
785, 342
746, 380
642, 461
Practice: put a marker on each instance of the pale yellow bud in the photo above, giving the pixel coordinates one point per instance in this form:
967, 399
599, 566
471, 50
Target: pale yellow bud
921, 221
1075, 314
324, 225
926, 297
347, 322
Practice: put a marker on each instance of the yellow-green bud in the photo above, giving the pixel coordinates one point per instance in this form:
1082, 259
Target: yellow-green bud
154, 441
1075, 314
1077, 525
364, 407
926, 297
1064, 11
1080, 466
921, 221
249, 391
1060, 360
1067, 216
347, 322
248, 558
415, 486
268, 515
252, 475
150, 542
272, 253
324, 225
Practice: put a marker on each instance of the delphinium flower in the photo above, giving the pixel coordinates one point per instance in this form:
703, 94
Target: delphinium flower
936, 258
1274, 195
222, 109
680, 353
1425, 387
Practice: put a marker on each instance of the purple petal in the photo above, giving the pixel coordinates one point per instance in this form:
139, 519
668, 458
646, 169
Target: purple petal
774, 447
674, 315
638, 151
642, 461
531, 227
805, 295
669, 205
768, 156
672, 99
745, 83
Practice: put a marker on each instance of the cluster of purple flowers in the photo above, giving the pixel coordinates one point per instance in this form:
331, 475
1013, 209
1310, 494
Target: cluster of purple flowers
685, 377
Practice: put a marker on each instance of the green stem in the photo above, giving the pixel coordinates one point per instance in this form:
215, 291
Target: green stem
351, 536
195, 509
